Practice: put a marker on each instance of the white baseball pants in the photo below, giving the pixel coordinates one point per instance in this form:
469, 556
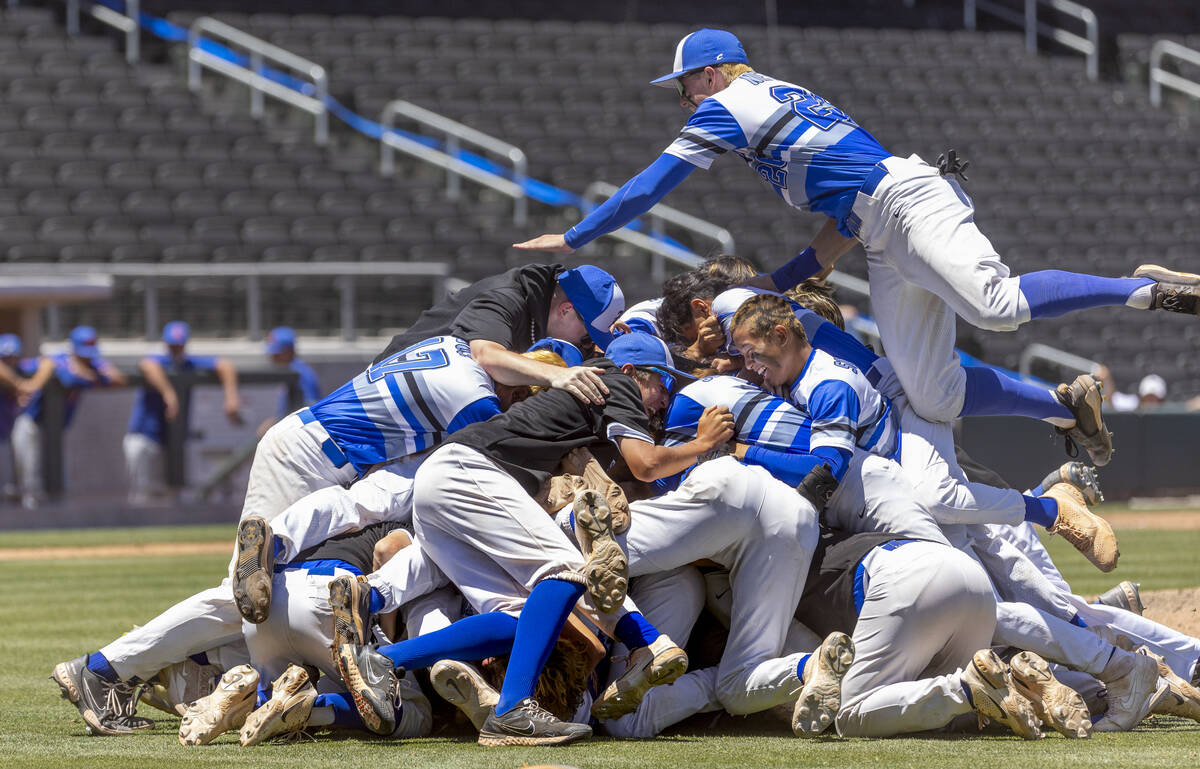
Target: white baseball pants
26, 443
876, 494
928, 262
145, 467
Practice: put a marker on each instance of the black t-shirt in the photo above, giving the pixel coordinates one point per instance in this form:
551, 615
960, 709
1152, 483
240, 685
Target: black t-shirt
531, 438
510, 309
356, 548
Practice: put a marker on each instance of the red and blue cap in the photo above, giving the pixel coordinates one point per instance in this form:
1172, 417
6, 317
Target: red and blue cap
280, 339
10, 345
83, 342
176, 333
704, 48
596, 297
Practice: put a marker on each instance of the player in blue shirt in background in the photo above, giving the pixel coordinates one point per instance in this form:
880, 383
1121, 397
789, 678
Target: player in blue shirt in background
158, 403
281, 351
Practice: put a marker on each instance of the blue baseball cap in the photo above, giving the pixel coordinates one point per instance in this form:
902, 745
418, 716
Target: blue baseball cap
596, 297
646, 351
83, 342
280, 339
704, 48
565, 350
10, 345
176, 332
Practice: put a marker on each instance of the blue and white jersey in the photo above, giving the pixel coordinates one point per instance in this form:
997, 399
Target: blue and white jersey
760, 418
846, 411
811, 153
408, 402
643, 317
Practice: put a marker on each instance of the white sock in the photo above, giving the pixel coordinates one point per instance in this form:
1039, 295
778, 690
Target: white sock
1142, 297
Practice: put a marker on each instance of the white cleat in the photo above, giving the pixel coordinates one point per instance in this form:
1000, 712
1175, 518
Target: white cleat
658, 664
821, 698
288, 710
226, 708
1132, 684
461, 685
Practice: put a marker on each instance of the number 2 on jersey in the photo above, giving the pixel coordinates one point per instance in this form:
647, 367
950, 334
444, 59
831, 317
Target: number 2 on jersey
809, 106
415, 358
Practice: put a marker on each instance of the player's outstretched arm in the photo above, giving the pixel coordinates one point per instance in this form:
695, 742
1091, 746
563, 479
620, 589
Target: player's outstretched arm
510, 368
227, 376
636, 197
817, 261
156, 377
649, 462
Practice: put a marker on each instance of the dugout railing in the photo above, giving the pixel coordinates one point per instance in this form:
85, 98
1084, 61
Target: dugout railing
1087, 44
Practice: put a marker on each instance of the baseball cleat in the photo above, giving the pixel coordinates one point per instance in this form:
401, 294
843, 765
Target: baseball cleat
1124, 595
1087, 532
658, 664
371, 681
1131, 681
529, 724
350, 600
1173, 291
288, 710
176, 686
1079, 475
226, 708
461, 685
1083, 398
606, 572
1058, 705
994, 697
821, 698
107, 708
253, 567
580, 462
1181, 698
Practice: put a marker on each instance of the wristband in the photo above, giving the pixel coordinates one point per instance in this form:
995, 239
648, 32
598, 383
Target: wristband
796, 270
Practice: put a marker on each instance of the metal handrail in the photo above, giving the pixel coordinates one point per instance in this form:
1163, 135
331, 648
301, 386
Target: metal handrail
456, 168
125, 22
1160, 77
344, 272
1054, 355
1088, 45
259, 51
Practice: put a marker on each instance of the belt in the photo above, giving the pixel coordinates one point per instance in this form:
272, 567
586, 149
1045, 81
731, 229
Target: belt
860, 573
870, 183
328, 447
323, 568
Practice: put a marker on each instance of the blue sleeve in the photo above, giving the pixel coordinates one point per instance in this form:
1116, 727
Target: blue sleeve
635, 198
827, 337
837, 459
477, 411
200, 362
787, 467
670, 483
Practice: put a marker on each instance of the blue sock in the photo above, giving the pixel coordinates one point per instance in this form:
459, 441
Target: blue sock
990, 393
264, 692
635, 632
541, 621
471, 638
276, 547
800, 667
99, 664
344, 712
1037, 491
1052, 293
1041, 510
376, 601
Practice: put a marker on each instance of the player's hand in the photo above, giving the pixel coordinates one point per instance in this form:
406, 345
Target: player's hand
715, 427
583, 382
548, 242
727, 364
233, 410
709, 337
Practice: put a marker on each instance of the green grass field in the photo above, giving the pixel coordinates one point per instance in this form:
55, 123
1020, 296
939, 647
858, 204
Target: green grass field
59, 609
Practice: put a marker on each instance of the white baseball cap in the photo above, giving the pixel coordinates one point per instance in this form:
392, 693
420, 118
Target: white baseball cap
1152, 384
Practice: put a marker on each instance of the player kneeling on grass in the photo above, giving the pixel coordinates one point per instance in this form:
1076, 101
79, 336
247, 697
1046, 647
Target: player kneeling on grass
475, 515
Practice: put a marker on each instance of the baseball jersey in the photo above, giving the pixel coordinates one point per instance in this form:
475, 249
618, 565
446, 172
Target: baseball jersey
760, 418
356, 548
846, 411
510, 309
811, 153
149, 412
408, 402
643, 317
530, 439
310, 388
74, 384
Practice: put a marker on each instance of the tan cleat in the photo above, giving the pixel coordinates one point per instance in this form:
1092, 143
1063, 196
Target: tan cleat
1058, 705
1087, 532
1124, 595
821, 698
226, 708
1083, 398
658, 664
461, 685
1181, 698
580, 462
994, 697
1173, 291
606, 572
288, 710
253, 569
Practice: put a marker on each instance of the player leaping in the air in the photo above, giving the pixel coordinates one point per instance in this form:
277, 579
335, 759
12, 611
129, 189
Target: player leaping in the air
927, 259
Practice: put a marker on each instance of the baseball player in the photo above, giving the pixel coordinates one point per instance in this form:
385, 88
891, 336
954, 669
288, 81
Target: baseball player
80, 369
16, 389
157, 403
281, 352
927, 259
503, 315
475, 516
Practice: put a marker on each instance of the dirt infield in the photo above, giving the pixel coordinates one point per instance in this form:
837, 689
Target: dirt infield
1154, 519
1175, 608
114, 551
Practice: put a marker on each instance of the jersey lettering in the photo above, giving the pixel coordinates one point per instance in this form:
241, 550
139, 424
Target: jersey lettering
808, 105
773, 172
415, 358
